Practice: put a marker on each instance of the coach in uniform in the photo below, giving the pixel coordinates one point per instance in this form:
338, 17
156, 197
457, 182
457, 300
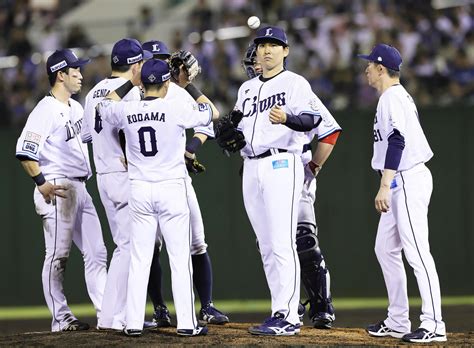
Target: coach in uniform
400, 153
155, 133
52, 153
112, 176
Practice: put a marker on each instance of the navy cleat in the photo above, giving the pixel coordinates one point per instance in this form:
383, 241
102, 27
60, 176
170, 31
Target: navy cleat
149, 325
161, 316
275, 326
76, 325
421, 335
198, 331
382, 330
211, 315
301, 312
132, 332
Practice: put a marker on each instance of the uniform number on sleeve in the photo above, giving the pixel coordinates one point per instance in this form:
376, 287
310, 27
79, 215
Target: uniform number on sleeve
147, 139
377, 136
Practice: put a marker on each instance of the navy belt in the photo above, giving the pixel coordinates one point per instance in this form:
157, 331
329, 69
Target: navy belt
80, 178
306, 147
268, 153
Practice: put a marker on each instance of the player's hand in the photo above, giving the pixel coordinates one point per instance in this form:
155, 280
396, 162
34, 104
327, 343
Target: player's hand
183, 80
50, 192
311, 170
277, 115
136, 75
382, 200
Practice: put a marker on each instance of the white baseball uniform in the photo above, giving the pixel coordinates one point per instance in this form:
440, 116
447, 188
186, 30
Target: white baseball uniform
273, 179
405, 225
114, 190
51, 136
155, 133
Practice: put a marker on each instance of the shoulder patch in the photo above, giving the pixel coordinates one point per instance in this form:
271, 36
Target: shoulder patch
30, 147
203, 106
33, 137
313, 104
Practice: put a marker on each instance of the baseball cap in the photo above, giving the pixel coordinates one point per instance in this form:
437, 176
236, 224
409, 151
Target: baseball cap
155, 71
386, 55
129, 51
61, 59
271, 34
156, 47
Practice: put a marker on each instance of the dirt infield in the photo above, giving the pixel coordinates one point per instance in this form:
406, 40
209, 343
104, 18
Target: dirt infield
348, 332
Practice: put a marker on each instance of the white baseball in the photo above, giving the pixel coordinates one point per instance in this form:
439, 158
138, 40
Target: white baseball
253, 22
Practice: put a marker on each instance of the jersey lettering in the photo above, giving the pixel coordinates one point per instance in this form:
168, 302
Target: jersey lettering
377, 135
100, 93
143, 146
263, 105
73, 129
153, 116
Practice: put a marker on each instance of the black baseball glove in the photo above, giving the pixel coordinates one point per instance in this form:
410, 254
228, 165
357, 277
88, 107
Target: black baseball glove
228, 137
193, 165
189, 63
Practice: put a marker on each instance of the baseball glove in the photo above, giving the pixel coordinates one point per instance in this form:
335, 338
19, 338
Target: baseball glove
189, 63
228, 137
193, 165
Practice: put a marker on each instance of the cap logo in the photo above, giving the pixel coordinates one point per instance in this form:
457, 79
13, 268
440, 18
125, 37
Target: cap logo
135, 59
379, 59
58, 66
115, 59
165, 77
156, 48
269, 32
151, 78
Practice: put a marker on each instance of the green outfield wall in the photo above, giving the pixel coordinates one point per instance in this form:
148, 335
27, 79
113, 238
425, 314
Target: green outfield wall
345, 211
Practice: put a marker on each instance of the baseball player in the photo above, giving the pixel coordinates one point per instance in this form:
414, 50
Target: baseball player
112, 176
277, 108
314, 273
400, 153
154, 129
51, 152
202, 269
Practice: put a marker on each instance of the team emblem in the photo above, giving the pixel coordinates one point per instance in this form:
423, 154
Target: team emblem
115, 59
313, 104
151, 78
269, 32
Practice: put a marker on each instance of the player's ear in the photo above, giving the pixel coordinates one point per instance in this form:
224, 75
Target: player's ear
286, 51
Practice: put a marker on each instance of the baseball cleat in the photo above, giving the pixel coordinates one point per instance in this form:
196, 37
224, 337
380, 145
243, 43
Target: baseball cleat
149, 325
161, 316
382, 330
132, 332
198, 331
211, 315
76, 325
323, 320
421, 335
275, 326
301, 312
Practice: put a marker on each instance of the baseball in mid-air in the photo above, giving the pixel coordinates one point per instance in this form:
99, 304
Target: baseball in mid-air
253, 22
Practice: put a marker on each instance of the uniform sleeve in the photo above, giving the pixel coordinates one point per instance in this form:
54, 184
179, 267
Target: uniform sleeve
198, 114
37, 129
89, 112
206, 130
302, 100
392, 108
112, 112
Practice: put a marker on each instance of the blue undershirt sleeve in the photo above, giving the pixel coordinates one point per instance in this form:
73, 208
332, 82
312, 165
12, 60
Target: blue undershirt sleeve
396, 144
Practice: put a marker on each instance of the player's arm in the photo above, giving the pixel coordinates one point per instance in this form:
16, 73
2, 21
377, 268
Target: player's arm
300, 123
47, 190
393, 156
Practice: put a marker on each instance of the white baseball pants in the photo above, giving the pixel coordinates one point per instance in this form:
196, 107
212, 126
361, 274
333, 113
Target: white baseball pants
72, 219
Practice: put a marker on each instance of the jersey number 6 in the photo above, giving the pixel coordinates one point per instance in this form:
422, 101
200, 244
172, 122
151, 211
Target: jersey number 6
143, 146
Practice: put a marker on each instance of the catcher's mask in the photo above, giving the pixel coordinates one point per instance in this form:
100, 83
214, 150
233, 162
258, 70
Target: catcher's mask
249, 61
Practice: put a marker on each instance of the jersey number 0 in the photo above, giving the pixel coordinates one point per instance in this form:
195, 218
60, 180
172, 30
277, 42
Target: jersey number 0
143, 145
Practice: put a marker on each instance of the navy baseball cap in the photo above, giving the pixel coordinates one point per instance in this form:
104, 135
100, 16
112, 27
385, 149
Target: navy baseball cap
158, 48
271, 34
155, 71
386, 55
128, 52
62, 59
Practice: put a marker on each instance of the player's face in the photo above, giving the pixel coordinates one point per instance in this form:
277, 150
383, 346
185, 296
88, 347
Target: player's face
372, 73
270, 55
72, 80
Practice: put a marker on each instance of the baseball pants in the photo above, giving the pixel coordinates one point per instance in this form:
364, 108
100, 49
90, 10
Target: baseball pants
271, 190
72, 219
405, 227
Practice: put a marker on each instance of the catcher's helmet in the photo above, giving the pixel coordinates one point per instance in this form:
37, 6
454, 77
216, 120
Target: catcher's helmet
249, 61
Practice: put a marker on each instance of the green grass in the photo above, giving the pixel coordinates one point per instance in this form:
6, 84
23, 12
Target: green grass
241, 306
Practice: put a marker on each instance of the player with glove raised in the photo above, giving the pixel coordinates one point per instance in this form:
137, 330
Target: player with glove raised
202, 269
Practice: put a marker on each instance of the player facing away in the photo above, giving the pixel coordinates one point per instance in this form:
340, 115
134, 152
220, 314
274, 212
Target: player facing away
314, 272
202, 269
155, 133
400, 153
112, 175
273, 171
51, 152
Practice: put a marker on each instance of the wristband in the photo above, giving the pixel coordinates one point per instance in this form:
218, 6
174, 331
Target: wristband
193, 145
124, 89
39, 179
194, 91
